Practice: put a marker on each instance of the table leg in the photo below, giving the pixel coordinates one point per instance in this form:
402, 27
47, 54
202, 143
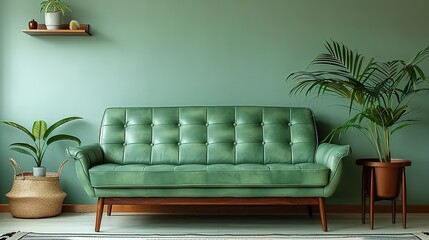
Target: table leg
404, 199
371, 199
363, 192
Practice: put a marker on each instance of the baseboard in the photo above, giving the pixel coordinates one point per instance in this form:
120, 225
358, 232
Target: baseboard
233, 210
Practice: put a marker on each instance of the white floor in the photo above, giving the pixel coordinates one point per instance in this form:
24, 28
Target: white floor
208, 224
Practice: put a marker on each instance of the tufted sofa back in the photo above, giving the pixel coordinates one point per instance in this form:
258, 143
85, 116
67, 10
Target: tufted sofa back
208, 135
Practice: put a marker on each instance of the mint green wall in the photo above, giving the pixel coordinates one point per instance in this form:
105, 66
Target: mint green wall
197, 52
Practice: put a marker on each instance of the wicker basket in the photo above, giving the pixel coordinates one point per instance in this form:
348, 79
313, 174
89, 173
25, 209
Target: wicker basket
35, 197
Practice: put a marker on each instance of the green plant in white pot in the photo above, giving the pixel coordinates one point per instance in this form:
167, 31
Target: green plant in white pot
54, 10
41, 140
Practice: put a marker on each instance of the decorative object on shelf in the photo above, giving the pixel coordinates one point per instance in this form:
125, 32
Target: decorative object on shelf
54, 10
40, 135
74, 25
32, 24
35, 197
379, 95
53, 20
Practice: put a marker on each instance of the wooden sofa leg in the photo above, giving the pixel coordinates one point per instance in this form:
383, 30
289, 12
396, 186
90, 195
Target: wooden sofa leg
109, 210
310, 210
323, 214
100, 207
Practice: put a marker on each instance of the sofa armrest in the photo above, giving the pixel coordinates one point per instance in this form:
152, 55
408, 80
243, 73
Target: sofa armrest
331, 155
86, 157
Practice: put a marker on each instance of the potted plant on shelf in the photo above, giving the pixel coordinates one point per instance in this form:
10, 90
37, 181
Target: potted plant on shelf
40, 135
54, 10
378, 97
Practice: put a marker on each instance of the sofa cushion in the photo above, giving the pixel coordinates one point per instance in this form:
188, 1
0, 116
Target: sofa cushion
214, 175
208, 135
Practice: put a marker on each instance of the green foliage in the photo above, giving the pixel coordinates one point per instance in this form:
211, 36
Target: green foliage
40, 135
54, 6
378, 93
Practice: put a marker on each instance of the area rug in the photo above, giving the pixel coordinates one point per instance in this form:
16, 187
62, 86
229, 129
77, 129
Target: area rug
93, 236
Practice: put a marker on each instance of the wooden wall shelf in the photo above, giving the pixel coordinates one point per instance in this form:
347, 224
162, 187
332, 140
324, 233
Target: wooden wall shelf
63, 31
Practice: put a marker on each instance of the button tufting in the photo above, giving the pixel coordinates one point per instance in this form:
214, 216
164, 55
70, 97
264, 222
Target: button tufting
290, 124
125, 125
262, 124
179, 124
152, 144
235, 143
207, 143
178, 144
263, 143
234, 124
125, 144
207, 124
152, 124
291, 143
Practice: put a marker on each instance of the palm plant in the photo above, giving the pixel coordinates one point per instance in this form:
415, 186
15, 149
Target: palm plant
40, 135
54, 6
378, 93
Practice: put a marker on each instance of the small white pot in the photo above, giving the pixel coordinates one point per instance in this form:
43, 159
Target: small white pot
39, 171
53, 20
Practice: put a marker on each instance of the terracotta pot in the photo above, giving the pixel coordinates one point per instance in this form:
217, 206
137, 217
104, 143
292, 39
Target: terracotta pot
387, 176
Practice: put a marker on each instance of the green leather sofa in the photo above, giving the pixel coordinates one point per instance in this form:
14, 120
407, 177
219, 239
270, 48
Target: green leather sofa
209, 155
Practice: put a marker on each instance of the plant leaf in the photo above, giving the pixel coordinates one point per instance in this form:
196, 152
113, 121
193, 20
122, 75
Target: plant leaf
57, 124
24, 151
20, 127
61, 137
39, 129
400, 127
23, 145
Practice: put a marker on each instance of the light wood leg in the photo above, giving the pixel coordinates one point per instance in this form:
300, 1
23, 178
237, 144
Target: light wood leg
100, 207
323, 214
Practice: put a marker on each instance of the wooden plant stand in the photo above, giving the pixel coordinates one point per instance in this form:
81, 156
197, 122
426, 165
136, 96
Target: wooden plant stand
368, 190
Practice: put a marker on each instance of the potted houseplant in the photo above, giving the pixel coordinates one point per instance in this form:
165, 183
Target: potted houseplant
54, 10
378, 98
41, 140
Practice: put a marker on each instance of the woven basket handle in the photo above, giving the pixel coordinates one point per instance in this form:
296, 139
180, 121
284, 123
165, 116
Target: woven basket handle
60, 169
16, 165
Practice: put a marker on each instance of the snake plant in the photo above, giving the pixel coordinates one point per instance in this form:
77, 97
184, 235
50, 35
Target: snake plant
378, 94
40, 135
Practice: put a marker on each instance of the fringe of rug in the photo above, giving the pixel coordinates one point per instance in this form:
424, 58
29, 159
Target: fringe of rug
93, 236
